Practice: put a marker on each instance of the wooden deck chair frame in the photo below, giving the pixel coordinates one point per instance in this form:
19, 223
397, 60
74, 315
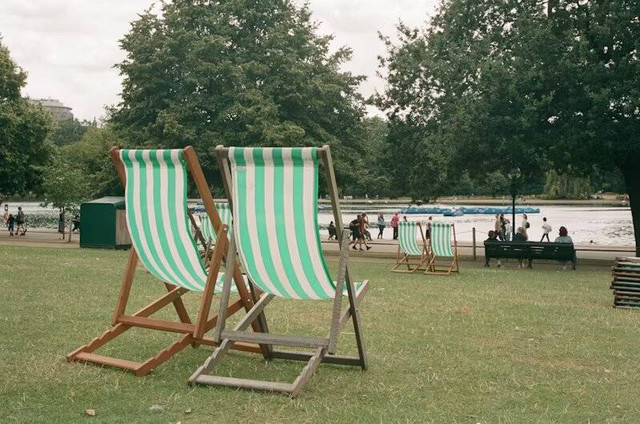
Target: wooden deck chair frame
324, 349
192, 333
404, 259
433, 267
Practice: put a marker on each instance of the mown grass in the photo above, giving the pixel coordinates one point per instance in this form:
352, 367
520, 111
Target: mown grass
488, 346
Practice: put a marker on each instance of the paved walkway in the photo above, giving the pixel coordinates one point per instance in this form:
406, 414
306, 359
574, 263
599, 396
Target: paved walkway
381, 249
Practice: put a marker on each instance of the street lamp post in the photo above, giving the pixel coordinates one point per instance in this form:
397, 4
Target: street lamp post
514, 176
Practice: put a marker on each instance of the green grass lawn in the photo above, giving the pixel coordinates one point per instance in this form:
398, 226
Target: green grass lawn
485, 346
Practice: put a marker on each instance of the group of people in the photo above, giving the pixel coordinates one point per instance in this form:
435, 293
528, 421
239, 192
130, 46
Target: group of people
502, 229
16, 224
499, 234
359, 232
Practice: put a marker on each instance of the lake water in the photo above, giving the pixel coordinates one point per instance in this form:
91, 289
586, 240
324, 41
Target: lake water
604, 226
601, 225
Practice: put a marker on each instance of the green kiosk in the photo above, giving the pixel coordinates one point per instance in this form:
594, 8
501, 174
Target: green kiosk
104, 224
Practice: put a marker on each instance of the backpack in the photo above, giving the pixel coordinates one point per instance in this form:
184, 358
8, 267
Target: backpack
527, 225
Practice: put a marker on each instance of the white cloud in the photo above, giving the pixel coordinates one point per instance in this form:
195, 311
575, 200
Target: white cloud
69, 47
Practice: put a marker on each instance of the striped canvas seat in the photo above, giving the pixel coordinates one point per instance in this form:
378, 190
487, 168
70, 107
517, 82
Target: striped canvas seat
407, 238
206, 227
275, 221
441, 239
156, 211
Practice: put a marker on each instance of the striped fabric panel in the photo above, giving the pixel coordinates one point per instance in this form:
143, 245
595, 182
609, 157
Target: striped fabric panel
206, 228
156, 211
441, 239
275, 196
407, 237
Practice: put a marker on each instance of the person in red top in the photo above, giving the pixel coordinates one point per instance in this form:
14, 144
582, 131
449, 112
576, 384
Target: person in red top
394, 225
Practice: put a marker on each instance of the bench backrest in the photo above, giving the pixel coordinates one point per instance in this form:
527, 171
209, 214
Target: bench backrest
532, 250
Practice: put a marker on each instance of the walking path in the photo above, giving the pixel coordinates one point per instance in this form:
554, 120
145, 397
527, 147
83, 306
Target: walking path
381, 249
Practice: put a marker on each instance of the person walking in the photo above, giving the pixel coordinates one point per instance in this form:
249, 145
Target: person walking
546, 229
20, 222
525, 225
503, 229
497, 227
381, 225
429, 224
394, 225
11, 222
365, 231
333, 234
507, 230
5, 217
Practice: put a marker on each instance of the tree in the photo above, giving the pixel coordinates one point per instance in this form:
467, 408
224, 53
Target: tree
68, 131
241, 73
90, 156
23, 129
507, 84
65, 185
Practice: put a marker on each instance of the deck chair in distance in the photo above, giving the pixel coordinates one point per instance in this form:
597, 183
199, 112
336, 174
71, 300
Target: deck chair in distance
442, 250
156, 211
408, 247
273, 194
208, 232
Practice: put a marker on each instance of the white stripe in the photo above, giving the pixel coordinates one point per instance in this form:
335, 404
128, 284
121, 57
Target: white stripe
290, 232
170, 276
309, 172
254, 245
270, 227
183, 279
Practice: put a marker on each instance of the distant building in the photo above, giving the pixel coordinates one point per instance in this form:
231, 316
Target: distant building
59, 112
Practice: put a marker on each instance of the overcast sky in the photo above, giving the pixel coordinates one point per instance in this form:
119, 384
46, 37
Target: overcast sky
69, 47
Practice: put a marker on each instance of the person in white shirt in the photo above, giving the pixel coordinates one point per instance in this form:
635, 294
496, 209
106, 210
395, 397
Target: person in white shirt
546, 229
525, 224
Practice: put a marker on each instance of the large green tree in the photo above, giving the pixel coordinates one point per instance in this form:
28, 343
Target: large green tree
23, 129
241, 73
500, 84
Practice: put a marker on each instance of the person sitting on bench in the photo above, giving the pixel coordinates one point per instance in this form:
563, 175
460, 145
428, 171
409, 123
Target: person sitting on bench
493, 237
565, 238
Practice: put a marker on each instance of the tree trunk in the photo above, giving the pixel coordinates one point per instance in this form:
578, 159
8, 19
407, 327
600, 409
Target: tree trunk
632, 179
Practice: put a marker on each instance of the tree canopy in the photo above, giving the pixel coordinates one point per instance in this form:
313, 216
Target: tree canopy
238, 72
23, 129
499, 84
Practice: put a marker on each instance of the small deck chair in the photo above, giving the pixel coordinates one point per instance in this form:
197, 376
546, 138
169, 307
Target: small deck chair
156, 213
207, 230
408, 246
273, 194
441, 249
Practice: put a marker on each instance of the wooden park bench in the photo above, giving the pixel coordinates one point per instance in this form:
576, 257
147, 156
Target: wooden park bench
529, 251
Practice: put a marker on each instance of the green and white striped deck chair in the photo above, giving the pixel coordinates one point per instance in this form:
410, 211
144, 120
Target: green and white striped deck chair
411, 245
274, 194
443, 247
208, 232
206, 228
156, 214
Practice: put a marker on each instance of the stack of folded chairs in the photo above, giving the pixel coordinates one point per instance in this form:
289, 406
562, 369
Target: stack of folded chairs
626, 283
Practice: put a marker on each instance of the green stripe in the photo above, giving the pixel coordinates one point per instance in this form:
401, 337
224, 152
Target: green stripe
280, 224
243, 236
